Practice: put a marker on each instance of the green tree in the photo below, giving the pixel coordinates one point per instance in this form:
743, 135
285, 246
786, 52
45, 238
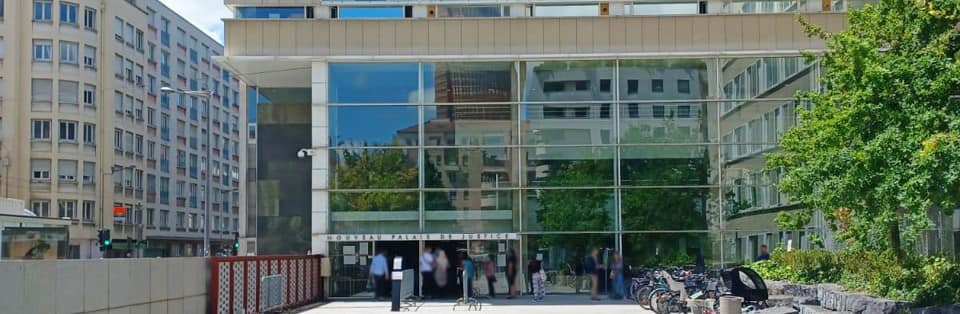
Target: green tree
576, 209
374, 169
881, 145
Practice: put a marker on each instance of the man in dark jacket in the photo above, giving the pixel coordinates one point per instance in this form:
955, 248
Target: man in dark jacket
591, 267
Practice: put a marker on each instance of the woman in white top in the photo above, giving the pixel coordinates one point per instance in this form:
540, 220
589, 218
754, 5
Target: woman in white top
440, 274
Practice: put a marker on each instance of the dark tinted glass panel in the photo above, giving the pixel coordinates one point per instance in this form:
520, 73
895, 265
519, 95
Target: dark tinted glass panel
469, 82
470, 125
563, 255
568, 166
567, 124
664, 79
373, 168
283, 191
373, 125
468, 11
567, 80
668, 122
652, 165
470, 210
658, 209
569, 210
373, 82
487, 167
270, 12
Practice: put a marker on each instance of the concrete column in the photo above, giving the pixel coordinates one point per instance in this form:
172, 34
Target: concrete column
319, 196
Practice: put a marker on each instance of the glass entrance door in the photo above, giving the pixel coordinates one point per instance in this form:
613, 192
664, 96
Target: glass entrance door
350, 265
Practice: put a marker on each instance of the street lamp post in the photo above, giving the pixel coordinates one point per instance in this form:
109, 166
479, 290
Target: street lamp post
206, 208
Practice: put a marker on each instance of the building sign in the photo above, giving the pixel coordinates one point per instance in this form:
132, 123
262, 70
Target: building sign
420, 237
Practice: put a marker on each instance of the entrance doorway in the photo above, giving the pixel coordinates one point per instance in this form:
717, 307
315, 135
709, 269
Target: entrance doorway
452, 251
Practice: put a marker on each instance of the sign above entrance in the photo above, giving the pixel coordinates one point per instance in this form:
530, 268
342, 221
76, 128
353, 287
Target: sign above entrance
420, 237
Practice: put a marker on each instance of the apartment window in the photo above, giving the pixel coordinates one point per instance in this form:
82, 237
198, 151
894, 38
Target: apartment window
67, 170
139, 40
68, 92
683, 111
118, 139
151, 84
151, 149
41, 208
150, 217
90, 134
40, 130
90, 18
118, 66
87, 211
90, 56
658, 111
89, 172
128, 70
42, 50
633, 86
138, 110
138, 178
68, 131
68, 13
1, 9
89, 95
41, 91
67, 209
151, 116
128, 34
118, 28
42, 10
139, 145
273, 12
68, 52
683, 86
40, 169
162, 220
656, 86
138, 75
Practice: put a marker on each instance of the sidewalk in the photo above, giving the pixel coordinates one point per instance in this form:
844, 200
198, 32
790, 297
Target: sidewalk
552, 304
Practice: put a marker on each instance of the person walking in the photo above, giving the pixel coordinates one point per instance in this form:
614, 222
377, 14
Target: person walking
512, 273
764, 255
591, 268
468, 269
616, 275
538, 281
427, 263
490, 271
531, 266
440, 273
378, 273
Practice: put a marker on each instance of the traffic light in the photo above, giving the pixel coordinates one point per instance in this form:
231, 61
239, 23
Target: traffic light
236, 243
103, 235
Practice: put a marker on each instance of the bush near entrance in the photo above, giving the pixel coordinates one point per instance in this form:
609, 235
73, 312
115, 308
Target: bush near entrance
921, 280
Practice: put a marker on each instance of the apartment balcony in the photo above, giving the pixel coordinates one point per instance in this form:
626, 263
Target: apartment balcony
151, 197
181, 171
181, 202
215, 207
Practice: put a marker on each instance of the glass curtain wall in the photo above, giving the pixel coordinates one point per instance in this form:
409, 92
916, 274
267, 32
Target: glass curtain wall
661, 159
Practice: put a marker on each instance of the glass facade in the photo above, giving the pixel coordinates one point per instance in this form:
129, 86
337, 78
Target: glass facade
662, 159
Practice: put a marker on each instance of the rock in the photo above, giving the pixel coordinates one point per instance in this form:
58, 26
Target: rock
780, 300
798, 290
778, 310
831, 297
774, 287
885, 306
815, 309
798, 301
949, 309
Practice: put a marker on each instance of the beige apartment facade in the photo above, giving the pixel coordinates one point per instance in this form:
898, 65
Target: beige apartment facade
537, 129
86, 128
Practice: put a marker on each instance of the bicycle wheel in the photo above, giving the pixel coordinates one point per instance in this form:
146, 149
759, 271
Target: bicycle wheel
642, 294
651, 299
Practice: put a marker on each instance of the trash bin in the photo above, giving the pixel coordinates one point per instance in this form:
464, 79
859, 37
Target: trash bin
730, 304
700, 306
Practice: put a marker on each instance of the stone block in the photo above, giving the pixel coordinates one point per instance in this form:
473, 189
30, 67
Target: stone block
118, 277
139, 281
69, 285
40, 285
158, 307
197, 304
799, 290
140, 309
830, 296
778, 310
94, 279
816, 309
12, 281
175, 307
174, 277
948, 309
780, 300
774, 287
158, 280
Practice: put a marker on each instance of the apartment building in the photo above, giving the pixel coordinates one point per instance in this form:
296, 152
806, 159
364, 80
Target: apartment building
88, 135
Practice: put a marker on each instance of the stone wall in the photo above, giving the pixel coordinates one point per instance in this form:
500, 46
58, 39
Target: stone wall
135, 286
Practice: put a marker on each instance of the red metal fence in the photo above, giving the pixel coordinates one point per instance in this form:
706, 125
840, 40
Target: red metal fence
235, 282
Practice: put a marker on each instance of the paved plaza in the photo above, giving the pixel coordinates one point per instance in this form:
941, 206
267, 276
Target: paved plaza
553, 304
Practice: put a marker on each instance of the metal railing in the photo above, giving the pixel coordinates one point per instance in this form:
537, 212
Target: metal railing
255, 284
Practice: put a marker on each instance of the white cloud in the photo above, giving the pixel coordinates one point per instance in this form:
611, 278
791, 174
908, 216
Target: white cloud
205, 14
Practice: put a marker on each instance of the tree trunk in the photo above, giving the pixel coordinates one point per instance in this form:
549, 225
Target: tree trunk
895, 244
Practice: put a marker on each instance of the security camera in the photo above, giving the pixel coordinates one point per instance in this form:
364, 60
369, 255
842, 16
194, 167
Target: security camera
304, 153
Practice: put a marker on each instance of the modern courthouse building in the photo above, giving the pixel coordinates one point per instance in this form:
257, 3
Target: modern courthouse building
84, 126
539, 127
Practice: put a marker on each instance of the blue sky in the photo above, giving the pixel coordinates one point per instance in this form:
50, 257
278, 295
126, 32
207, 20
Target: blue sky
205, 14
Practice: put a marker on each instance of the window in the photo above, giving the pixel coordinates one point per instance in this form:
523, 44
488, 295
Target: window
683, 111
633, 86
40, 130
90, 134
139, 40
139, 145
88, 208
67, 170
90, 56
605, 85
40, 169
138, 110
151, 149
68, 131
117, 139
273, 12
128, 34
1, 9
68, 92
683, 86
162, 220
118, 66
67, 209
118, 28
68, 13
41, 91
151, 117
151, 84
90, 18
150, 217
42, 10
68, 52
41, 208
658, 111
89, 172
370, 12
42, 50
656, 85
89, 95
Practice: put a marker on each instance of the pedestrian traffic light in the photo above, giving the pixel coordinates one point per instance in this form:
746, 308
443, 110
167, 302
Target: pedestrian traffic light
236, 243
103, 235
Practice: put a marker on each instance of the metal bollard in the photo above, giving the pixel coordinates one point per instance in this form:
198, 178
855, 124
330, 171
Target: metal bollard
396, 278
730, 304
